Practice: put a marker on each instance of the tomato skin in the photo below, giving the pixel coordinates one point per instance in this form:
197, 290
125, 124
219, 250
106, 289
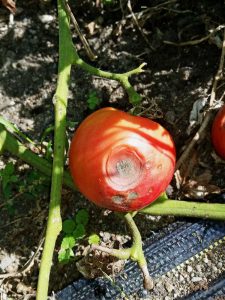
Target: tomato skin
119, 161
218, 132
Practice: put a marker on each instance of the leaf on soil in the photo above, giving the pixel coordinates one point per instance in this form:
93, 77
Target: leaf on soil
94, 239
68, 242
79, 231
82, 217
68, 226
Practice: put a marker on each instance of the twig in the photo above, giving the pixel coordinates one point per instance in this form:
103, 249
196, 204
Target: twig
138, 26
198, 136
91, 55
198, 41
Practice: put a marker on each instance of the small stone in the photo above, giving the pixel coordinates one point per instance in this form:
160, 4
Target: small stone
215, 269
199, 268
169, 287
206, 260
46, 18
196, 279
189, 269
181, 278
220, 265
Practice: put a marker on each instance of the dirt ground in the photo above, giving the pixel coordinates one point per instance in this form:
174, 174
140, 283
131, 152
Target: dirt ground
174, 79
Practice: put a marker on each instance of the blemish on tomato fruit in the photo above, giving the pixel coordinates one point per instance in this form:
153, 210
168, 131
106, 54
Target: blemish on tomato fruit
159, 166
150, 190
118, 199
125, 167
132, 196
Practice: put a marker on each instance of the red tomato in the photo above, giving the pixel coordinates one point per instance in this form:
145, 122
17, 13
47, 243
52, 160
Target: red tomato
119, 161
218, 132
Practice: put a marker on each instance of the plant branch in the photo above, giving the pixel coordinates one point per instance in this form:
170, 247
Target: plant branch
214, 211
54, 224
122, 78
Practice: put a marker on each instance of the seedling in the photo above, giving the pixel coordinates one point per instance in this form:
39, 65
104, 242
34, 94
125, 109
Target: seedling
74, 230
93, 100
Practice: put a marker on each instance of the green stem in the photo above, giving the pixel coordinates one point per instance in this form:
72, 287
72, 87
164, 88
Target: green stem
123, 78
136, 251
214, 211
11, 144
54, 224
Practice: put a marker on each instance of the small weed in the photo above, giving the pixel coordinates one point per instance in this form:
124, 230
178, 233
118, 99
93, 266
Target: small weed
74, 230
28, 185
8, 180
93, 100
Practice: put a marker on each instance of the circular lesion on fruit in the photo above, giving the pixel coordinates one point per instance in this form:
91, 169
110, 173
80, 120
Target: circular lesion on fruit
125, 167
118, 199
132, 196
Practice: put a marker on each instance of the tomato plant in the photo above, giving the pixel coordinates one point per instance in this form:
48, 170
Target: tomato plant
218, 132
119, 161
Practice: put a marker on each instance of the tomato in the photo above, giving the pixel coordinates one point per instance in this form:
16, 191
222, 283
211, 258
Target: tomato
119, 161
218, 132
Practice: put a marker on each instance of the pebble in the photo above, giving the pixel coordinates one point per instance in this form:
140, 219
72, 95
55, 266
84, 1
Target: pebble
189, 269
199, 268
169, 287
196, 279
46, 18
181, 278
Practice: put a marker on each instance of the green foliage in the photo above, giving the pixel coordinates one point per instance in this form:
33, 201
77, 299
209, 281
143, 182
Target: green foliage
94, 239
93, 100
82, 217
27, 186
8, 179
74, 230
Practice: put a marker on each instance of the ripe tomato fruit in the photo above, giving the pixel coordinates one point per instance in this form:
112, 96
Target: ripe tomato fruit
218, 132
119, 161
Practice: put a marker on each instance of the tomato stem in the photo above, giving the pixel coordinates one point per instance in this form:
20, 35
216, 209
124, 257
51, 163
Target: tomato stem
54, 223
214, 211
122, 78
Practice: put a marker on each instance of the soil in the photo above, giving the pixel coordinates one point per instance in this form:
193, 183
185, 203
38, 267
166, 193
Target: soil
174, 79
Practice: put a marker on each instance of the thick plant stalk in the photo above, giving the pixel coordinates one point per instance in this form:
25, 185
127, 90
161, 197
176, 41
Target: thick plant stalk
54, 224
214, 211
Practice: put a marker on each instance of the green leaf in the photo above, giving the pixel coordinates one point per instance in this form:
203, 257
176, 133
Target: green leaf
93, 239
14, 178
68, 242
9, 169
64, 255
82, 217
79, 231
68, 226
